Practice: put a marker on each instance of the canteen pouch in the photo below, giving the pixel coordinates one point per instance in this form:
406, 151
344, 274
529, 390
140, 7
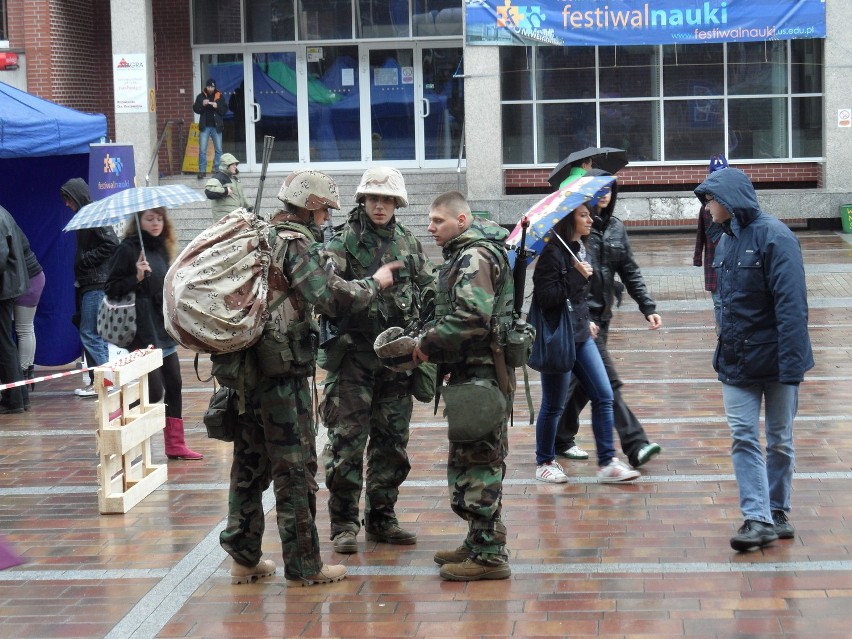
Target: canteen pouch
221, 416
423, 381
237, 370
519, 341
279, 354
332, 352
474, 409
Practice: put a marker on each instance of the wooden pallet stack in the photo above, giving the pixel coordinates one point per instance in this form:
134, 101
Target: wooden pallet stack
126, 423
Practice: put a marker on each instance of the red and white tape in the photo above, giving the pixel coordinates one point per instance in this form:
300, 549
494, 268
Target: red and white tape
122, 361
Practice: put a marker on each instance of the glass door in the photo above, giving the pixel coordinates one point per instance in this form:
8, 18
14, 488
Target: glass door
442, 102
391, 103
271, 107
227, 71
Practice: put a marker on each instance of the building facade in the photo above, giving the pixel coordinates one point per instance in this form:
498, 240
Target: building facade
345, 84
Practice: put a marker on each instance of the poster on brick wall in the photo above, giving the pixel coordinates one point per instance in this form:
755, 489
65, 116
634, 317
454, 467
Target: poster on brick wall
130, 82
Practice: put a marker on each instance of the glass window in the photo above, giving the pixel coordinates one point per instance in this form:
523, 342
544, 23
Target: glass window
325, 19
4, 33
270, 21
383, 18
807, 127
517, 134
516, 73
695, 129
563, 128
757, 68
438, 17
565, 73
693, 70
629, 72
216, 22
334, 112
806, 66
632, 126
758, 128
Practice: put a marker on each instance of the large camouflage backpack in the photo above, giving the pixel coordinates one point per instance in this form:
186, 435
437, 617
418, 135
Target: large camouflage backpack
216, 297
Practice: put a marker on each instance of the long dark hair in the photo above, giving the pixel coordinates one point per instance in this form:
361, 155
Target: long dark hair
566, 227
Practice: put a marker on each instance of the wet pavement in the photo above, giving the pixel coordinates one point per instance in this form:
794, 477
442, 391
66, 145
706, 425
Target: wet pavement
646, 559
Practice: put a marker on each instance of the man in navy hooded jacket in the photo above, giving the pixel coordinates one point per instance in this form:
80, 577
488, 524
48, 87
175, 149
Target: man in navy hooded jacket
763, 350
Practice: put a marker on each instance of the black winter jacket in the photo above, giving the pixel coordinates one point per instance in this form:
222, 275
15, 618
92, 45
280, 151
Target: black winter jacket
763, 329
94, 246
610, 254
555, 280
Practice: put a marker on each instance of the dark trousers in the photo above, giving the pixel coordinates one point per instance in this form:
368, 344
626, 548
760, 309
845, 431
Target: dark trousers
10, 366
628, 427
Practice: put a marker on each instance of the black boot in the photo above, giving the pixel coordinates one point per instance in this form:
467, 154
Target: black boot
28, 374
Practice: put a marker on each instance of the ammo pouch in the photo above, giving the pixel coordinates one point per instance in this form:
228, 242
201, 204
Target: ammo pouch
475, 410
423, 380
519, 341
333, 351
230, 369
291, 354
221, 415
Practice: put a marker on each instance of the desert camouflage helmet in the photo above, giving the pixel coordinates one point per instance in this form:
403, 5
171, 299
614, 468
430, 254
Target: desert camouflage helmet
309, 189
394, 349
383, 180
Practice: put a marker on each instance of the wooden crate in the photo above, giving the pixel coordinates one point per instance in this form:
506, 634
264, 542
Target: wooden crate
126, 423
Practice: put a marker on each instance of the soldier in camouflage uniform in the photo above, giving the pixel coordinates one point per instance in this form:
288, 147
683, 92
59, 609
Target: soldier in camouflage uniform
475, 294
367, 406
275, 439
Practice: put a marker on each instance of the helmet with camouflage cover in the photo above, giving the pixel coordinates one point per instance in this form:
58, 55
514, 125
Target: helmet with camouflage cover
383, 180
309, 189
394, 349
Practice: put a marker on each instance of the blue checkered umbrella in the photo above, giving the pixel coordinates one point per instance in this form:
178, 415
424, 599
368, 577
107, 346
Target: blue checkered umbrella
119, 206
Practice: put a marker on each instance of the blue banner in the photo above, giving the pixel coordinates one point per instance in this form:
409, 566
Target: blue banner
625, 22
111, 169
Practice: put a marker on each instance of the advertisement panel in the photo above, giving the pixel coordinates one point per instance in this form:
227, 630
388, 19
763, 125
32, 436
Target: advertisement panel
111, 169
626, 22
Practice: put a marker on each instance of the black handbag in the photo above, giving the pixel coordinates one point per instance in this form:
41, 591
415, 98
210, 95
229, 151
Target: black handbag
553, 350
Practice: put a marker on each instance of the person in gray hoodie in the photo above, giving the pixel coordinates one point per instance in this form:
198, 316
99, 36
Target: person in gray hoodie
91, 268
763, 350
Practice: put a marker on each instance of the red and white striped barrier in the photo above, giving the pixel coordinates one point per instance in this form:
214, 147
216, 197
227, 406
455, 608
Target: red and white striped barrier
122, 361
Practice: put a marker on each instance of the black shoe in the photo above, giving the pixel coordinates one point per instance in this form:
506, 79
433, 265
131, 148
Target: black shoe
201, 176
753, 534
8, 410
783, 528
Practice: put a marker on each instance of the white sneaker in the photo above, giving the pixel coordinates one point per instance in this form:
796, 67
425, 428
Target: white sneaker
86, 391
575, 452
615, 471
551, 472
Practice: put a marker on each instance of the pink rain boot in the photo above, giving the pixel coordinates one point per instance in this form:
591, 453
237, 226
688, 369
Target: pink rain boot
175, 442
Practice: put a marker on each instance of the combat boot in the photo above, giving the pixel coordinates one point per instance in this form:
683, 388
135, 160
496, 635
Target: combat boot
241, 574
345, 542
456, 556
392, 534
469, 570
326, 575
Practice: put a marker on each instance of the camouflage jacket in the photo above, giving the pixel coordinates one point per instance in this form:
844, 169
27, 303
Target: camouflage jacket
352, 251
474, 285
298, 271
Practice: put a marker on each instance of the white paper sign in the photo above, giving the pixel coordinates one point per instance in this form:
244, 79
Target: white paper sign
844, 118
130, 82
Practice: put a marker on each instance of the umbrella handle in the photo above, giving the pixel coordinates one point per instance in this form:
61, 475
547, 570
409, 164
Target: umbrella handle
141, 243
567, 248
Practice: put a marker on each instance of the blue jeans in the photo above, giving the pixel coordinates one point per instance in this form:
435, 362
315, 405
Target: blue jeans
765, 484
590, 372
93, 343
203, 135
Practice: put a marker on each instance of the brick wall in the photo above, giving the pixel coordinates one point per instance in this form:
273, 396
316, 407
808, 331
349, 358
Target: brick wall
760, 174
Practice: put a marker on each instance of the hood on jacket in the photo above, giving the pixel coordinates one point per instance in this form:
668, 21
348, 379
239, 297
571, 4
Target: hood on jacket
601, 219
77, 190
227, 160
734, 191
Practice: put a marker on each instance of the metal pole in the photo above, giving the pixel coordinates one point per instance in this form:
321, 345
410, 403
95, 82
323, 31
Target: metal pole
268, 141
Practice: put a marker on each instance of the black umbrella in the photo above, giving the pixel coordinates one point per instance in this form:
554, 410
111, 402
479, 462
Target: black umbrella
608, 158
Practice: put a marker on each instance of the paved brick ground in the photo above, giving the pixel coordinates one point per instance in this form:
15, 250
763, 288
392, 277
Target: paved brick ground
650, 559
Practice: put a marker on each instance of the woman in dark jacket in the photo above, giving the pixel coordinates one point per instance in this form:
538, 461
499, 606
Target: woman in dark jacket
143, 272
559, 277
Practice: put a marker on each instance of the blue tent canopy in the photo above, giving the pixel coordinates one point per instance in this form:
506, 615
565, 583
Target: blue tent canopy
32, 127
43, 145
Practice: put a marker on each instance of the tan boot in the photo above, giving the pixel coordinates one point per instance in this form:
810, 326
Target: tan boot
345, 542
456, 556
249, 574
469, 570
326, 575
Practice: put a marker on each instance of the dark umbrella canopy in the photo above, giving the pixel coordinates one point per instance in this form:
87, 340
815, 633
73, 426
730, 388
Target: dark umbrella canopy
608, 158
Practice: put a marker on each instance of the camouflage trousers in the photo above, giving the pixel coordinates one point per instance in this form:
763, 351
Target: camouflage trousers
275, 443
475, 473
366, 407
